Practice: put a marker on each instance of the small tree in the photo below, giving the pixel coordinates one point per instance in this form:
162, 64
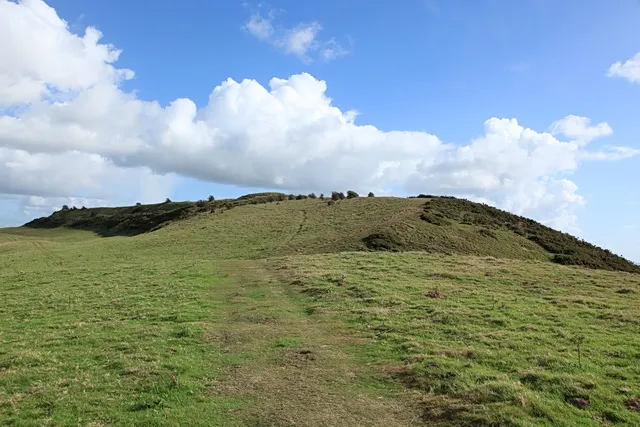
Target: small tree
65, 207
352, 194
168, 200
321, 196
291, 197
211, 198
138, 204
371, 194
312, 196
335, 196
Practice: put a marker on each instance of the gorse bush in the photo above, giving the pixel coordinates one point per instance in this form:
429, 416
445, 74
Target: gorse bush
564, 248
352, 194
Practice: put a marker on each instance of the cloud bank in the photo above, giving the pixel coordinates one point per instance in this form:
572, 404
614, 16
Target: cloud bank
70, 132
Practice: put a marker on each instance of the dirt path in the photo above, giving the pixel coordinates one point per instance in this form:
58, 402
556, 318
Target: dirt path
292, 369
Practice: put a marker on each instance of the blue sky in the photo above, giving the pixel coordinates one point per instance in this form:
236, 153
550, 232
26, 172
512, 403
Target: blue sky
440, 69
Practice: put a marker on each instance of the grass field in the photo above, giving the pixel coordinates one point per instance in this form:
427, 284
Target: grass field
248, 317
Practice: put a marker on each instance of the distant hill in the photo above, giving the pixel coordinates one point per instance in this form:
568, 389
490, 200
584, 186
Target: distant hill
276, 224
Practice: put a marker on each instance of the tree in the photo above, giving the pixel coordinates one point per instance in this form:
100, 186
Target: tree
312, 196
138, 204
321, 196
371, 194
291, 197
65, 207
211, 198
352, 194
168, 200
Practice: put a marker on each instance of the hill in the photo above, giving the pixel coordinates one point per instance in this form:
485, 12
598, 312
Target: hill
274, 224
368, 311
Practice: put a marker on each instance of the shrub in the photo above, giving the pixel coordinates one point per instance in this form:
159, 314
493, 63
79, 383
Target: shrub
138, 204
168, 200
301, 197
291, 197
352, 194
65, 207
201, 203
312, 196
211, 198
371, 194
321, 196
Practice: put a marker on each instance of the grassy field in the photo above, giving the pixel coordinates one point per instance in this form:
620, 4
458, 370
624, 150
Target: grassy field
247, 317
487, 341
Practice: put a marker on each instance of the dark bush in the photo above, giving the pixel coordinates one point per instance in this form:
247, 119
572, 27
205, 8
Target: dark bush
291, 197
371, 194
211, 198
352, 194
168, 200
312, 196
321, 196
382, 242
201, 203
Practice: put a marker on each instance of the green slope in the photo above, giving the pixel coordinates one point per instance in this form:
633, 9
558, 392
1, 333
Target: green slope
190, 325
254, 226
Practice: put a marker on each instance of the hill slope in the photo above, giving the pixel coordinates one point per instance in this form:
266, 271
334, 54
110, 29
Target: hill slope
267, 224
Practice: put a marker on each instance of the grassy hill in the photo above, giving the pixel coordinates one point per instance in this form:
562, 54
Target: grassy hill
270, 224
368, 311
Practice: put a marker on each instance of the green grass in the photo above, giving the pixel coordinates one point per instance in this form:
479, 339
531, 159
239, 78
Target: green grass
241, 317
146, 331
89, 337
487, 341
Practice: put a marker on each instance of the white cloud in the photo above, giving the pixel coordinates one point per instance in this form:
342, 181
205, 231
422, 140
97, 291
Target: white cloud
580, 129
300, 40
259, 26
98, 142
37, 51
629, 69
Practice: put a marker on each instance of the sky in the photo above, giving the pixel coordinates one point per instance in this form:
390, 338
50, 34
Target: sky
531, 106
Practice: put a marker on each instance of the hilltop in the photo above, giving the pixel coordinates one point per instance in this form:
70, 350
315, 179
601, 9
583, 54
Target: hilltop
274, 224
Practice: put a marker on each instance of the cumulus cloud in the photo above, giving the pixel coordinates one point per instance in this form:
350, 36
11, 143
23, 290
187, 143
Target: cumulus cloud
97, 142
300, 40
630, 69
580, 129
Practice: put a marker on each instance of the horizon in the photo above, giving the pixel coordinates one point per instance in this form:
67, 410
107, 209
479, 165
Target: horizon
472, 100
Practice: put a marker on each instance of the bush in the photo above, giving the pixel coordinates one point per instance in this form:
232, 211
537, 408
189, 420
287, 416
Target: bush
168, 200
211, 198
371, 194
337, 196
301, 197
138, 204
352, 194
321, 196
201, 203
312, 196
291, 197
